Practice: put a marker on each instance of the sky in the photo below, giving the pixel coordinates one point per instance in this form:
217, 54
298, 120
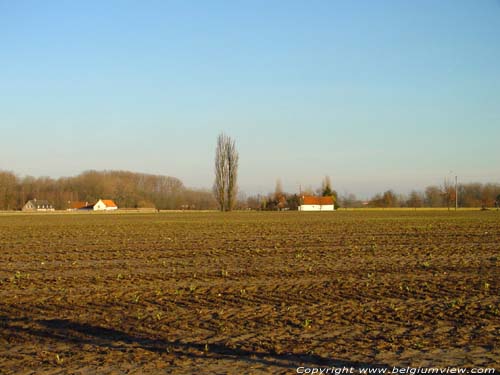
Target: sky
375, 94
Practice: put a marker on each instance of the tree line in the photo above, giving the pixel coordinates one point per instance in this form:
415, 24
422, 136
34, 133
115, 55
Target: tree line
469, 195
466, 195
127, 189
138, 190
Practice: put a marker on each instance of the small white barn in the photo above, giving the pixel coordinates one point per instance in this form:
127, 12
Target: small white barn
105, 205
311, 203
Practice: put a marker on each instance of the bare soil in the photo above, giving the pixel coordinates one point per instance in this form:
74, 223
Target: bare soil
248, 293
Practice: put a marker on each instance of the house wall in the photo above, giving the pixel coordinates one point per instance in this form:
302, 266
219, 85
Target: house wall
35, 207
316, 207
100, 206
310, 207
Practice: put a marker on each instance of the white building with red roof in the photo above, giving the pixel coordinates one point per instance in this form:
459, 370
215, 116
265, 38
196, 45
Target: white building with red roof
105, 205
311, 203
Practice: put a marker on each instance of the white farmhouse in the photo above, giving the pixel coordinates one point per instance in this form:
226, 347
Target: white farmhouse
105, 205
310, 203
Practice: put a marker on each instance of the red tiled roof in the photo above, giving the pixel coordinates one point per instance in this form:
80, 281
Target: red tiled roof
326, 200
78, 205
109, 203
308, 199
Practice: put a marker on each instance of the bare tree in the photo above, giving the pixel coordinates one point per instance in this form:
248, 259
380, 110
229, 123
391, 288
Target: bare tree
387, 199
433, 196
226, 172
416, 199
279, 198
448, 193
232, 173
349, 200
278, 190
221, 168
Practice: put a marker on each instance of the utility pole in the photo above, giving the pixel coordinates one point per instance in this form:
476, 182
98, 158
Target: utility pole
456, 192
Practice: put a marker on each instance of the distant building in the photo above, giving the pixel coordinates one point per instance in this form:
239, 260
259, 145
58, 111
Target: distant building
74, 206
311, 203
101, 205
38, 205
105, 205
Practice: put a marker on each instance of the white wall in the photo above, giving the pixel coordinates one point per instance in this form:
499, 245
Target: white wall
316, 207
310, 207
100, 206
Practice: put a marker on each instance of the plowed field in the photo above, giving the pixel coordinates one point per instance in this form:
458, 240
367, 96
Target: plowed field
248, 293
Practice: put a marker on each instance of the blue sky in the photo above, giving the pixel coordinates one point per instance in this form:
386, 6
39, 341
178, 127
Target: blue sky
376, 94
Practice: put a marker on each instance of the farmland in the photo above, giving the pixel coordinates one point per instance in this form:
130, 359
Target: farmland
249, 292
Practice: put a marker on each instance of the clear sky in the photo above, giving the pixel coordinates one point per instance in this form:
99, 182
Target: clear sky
376, 94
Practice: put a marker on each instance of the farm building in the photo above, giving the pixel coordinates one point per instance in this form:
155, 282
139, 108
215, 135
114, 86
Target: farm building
38, 205
105, 205
311, 203
74, 206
